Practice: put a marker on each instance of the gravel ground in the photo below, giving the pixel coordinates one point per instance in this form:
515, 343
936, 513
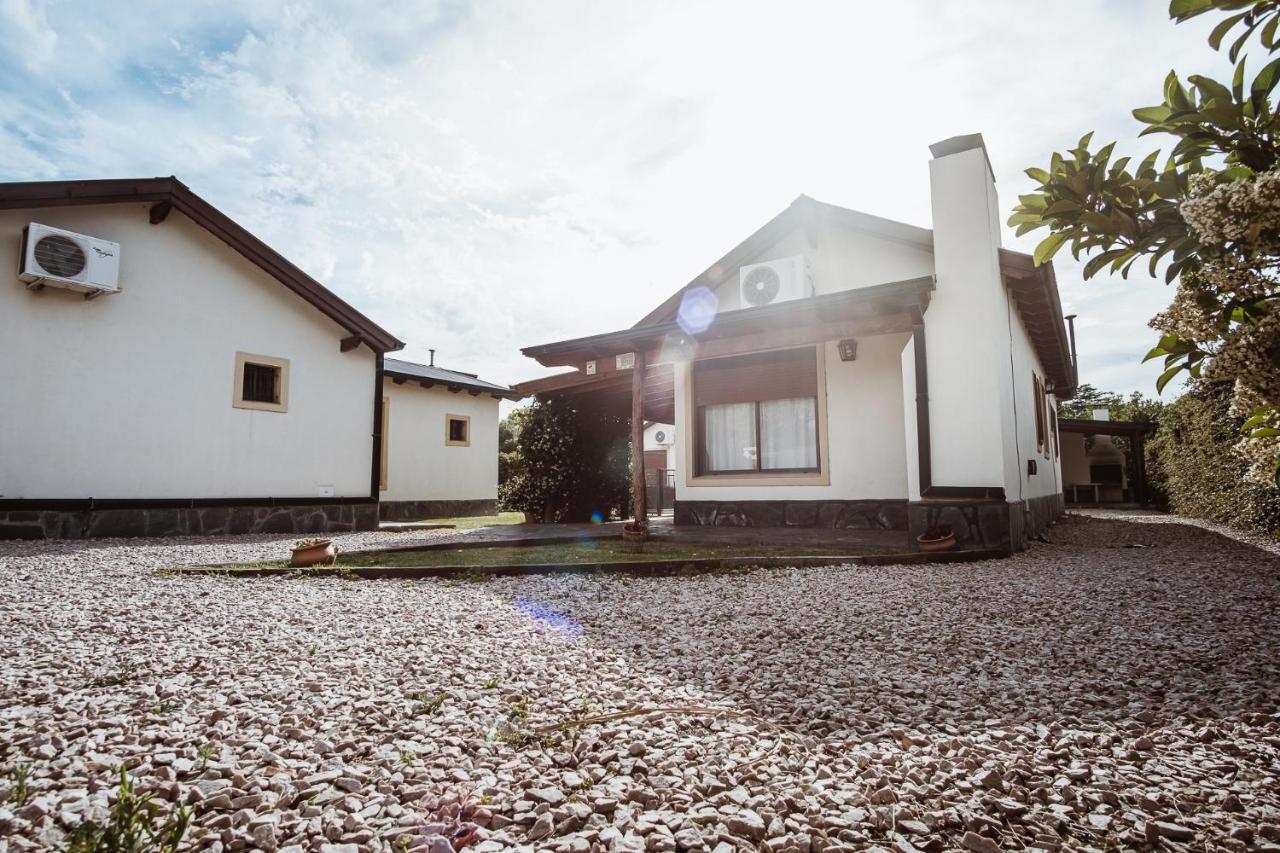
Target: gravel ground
1089, 693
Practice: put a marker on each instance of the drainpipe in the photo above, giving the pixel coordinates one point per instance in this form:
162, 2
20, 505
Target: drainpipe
1071, 333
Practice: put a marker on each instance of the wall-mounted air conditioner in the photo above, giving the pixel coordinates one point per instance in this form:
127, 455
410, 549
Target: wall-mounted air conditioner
52, 257
775, 281
666, 436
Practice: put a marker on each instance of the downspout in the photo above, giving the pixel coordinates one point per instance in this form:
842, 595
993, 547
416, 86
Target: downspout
375, 478
924, 449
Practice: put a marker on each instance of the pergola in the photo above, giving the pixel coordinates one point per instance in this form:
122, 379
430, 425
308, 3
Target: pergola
1135, 431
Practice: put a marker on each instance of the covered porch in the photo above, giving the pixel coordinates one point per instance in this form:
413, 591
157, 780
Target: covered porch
637, 368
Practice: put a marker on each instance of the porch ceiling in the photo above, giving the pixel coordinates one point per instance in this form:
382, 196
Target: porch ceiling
878, 310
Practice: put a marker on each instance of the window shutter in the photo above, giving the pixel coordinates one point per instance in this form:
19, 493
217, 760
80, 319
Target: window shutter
779, 375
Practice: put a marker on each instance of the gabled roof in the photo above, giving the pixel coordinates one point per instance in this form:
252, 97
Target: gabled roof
452, 379
168, 194
804, 212
1034, 289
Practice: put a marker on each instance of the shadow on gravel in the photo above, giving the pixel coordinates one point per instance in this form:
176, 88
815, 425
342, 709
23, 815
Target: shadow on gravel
1112, 621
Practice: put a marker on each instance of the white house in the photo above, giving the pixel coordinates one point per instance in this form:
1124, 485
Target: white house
839, 369
440, 442
166, 372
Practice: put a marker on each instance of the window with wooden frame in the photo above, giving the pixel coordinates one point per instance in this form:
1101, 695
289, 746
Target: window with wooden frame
457, 430
261, 383
757, 413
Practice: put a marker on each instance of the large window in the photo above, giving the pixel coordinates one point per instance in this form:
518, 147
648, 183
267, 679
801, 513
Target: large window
757, 413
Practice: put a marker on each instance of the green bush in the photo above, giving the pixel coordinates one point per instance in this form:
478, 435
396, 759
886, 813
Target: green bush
1193, 456
571, 463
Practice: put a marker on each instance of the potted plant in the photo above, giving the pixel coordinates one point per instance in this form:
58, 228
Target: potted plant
937, 538
314, 552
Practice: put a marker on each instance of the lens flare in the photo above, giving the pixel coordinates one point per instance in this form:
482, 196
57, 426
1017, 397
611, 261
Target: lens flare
561, 623
597, 518
698, 308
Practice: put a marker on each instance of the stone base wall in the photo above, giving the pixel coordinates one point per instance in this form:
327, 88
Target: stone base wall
987, 525
862, 515
187, 521
418, 510
1042, 512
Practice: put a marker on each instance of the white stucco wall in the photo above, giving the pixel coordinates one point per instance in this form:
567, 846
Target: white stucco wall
866, 451
651, 443
844, 259
129, 395
420, 465
1022, 427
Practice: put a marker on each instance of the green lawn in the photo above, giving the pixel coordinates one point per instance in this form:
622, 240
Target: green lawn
593, 551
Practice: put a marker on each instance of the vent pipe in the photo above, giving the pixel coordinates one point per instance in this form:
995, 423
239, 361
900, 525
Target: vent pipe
433, 355
1071, 332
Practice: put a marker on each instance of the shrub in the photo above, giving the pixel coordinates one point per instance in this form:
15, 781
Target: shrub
1201, 472
571, 462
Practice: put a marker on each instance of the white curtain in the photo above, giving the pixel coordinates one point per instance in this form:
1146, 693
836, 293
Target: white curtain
731, 437
789, 434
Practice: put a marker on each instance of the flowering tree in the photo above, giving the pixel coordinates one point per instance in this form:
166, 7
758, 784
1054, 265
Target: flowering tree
1210, 215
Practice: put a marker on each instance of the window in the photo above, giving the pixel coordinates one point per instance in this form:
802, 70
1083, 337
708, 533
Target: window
457, 430
261, 383
757, 413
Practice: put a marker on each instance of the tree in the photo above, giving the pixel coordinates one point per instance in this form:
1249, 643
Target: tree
571, 462
1210, 215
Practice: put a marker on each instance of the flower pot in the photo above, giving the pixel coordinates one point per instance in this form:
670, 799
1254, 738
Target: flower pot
938, 541
314, 552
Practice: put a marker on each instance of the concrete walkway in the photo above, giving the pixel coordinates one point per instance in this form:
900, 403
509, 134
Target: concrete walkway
663, 528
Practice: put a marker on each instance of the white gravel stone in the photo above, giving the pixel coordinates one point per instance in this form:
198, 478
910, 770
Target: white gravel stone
1081, 695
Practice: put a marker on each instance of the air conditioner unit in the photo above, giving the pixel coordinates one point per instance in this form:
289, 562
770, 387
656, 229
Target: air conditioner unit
665, 436
775, 281
52, 257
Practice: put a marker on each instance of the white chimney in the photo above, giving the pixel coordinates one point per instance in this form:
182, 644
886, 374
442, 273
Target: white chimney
966, 325
1101, 415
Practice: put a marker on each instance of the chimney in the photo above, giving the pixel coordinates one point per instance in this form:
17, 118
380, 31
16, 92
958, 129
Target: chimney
967, 335
433, 357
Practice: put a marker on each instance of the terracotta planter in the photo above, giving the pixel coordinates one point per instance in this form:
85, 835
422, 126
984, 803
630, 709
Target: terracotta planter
943, 542
319, 552
631, 533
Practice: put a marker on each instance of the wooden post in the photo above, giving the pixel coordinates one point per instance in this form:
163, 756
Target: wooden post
1137, 446
637, 442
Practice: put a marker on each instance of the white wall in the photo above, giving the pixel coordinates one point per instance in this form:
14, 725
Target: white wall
129, 395
651, 443
1020, 445
420, 466
844, 259
866, 450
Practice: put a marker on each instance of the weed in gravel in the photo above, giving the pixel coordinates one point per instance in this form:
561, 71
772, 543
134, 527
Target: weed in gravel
168, 706
204, 753
136, 824
121, 675
428, 703
490, 683
19, 778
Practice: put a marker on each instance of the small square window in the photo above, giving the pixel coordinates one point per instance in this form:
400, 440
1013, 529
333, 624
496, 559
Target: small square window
261, 383
457, 431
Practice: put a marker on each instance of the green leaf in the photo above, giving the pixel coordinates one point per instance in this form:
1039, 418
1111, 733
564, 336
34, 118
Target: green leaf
1224, 26
1038, 175
1152, 115
1181, 9
1048, 247
1155, 352
1265, 82
1166, 376
1265, 432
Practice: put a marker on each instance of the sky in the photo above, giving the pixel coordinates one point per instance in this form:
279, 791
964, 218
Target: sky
481, 176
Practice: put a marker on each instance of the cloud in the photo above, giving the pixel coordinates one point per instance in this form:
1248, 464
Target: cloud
484, 176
